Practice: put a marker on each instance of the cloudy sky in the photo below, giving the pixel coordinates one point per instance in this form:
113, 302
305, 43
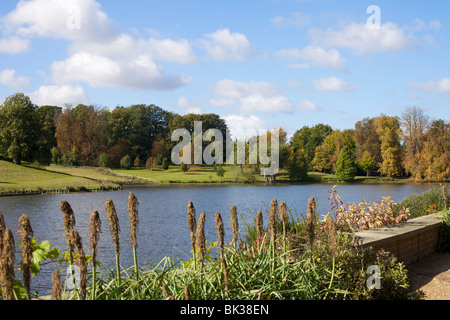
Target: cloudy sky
257, 63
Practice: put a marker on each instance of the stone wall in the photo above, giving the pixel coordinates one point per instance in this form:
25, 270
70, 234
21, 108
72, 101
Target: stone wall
409, 241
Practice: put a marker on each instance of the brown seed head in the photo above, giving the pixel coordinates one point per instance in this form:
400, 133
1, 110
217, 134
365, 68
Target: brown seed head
69, 217
283, 213
133, 218
331, 228
56, 288
192, 224
220, 229
113, 223
259, 223
234, 223
76, 241
95, 227
25, 233
273, 218
200, 235
311, 219
7, 265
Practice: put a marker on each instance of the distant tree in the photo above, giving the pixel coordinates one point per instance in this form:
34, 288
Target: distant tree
125, 162
309, 138
415, 124
103, 160
389, 132
184, 167
366, 139
345, 165
20, 128
137, 161
165, 164
297, 164
322, 158
55, 155
367, 162
436, 151
220, 171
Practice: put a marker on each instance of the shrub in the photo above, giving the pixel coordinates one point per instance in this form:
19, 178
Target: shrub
103, 160
184, 167
165, 164
125, 162
220, 171
430, 201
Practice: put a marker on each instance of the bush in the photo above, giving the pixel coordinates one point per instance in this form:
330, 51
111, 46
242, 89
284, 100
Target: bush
125, 162
220, 171
165, 164
184, 167
103, 160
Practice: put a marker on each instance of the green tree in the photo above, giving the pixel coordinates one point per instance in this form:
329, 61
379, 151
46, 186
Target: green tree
309, 139
345, 165
184, 167
125, 162
103, 160
297, 164
165, 164
322, 158
367, 162
19, 128
55, 155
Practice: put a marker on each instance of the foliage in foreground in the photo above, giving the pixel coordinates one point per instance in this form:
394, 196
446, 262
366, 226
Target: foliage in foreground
291, 258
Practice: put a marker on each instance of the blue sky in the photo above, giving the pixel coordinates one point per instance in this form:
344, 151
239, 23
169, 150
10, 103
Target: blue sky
259, 64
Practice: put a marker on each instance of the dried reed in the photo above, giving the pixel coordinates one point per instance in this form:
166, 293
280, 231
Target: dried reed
2, 230
69, 224
234, 224
192, 224
259, 224
273, 219
94, 236
200, 239
221, 235
25, 232
56, 288
284, 220
330, 226
115, 230
7, 259
186, 293
133, 218
75, 239
311, 220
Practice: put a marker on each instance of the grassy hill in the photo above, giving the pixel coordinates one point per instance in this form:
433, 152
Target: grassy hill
24, 179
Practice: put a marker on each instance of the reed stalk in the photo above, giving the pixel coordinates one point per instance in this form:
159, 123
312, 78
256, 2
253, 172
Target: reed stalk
7, 259
134, 226
25, 232
284, 220
75, 239
234, 224
200, 240
94, 236
56, 288
311, 221
221, 235
69, 224
115, 230
192, 225
273, 219
259, 224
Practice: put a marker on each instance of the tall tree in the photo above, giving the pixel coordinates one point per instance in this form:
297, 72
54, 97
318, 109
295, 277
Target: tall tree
414, 123
345, 165
19, 128
436, 151
297, 164
366, 139
389, 132
309, 138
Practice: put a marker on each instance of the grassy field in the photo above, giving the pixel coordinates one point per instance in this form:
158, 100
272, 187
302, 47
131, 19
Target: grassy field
15, 179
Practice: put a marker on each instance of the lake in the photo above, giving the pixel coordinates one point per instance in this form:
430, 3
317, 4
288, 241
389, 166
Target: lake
163, 227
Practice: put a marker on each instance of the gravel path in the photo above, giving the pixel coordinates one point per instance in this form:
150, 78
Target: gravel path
431, 275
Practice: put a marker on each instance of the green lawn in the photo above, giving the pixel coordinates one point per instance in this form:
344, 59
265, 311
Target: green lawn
28, 179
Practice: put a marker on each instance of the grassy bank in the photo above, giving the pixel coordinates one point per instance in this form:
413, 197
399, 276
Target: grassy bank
28, 179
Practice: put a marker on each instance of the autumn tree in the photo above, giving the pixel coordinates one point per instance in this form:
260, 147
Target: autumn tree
297, 164
322, 158
367, 162
436, 151
309, 138
389, 132
366, 139
414, 123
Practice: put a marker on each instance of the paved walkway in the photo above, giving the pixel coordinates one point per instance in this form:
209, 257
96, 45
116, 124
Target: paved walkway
431, 275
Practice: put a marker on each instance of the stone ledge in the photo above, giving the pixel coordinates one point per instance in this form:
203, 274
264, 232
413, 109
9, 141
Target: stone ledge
384, 235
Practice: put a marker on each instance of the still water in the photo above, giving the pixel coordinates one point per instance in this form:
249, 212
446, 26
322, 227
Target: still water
163, 228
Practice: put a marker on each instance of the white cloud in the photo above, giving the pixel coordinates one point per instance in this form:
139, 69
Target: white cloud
332, 84
296, 19
316, 55
14, 45
261, 102
242, 126
442, 86
363, 39
100, 71
59, 95
223, 45
189, 106
309, 105
69, 19
9, 78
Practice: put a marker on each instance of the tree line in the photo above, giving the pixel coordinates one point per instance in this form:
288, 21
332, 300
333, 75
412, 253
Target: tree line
410, 145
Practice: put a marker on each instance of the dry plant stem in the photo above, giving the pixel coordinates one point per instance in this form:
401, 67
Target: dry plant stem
259, 224
134, 226
192, 225
25, 232
311, 220
283, 218
221, 235
81, 261
94, 235
234, 224
200, 239
56, 288
7, 265
115, 230
69, 224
